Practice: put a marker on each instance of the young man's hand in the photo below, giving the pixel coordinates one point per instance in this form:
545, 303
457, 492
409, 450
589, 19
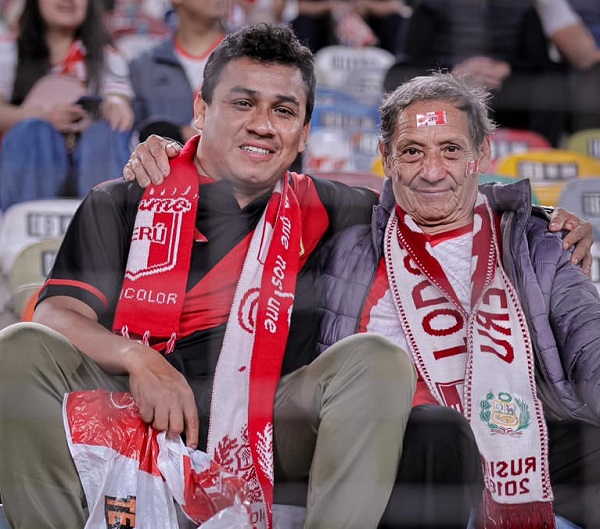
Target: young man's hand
580, 236
149, 163
163, 396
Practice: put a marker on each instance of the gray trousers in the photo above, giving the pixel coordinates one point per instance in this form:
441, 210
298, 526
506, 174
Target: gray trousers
340, 421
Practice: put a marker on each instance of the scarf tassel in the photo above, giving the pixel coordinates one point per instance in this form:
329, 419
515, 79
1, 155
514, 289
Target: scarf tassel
535, 515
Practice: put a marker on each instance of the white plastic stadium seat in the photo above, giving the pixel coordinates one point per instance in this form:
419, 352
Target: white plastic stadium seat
357, 71
28, 222
29, 272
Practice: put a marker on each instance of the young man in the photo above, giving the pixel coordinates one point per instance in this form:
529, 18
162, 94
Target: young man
183, 296
500, 325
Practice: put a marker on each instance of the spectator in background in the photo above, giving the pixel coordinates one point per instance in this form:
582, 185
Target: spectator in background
499, 44
166, 78
317, 20
573, 39
9, 13
589, 11
49, 146
250, 12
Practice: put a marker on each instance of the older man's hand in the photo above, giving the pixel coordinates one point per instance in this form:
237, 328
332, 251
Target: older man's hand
149, 162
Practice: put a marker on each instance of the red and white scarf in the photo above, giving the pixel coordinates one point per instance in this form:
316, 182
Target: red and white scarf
249, 365
480, 363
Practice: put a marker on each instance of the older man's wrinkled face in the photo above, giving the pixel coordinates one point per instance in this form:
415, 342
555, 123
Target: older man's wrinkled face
433, 165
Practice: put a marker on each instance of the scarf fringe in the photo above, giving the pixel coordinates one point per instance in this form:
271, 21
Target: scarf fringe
534, 515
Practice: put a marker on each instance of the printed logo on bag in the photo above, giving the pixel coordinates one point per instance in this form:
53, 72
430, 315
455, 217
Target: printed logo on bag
504, 414
156, 234
119, 512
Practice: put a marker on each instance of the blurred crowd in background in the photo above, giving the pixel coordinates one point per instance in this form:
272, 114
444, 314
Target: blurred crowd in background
138, 64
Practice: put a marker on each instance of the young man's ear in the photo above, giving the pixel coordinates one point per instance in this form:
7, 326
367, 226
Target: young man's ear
200, 107
304, 137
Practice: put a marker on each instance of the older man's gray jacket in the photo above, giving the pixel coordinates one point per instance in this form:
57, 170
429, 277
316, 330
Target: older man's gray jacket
561, 304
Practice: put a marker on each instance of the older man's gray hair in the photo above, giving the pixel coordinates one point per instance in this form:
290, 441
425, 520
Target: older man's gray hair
442, 87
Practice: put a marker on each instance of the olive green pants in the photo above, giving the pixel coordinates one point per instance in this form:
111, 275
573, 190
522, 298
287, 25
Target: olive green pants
339, 420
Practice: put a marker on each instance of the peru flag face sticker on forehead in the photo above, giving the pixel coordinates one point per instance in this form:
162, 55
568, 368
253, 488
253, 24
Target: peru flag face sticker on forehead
429, 119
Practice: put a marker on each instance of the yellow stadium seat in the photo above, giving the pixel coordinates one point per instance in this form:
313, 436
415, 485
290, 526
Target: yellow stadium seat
585, 142
548, 170
377, 167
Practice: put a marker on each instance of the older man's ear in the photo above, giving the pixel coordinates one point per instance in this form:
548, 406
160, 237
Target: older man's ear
485, 156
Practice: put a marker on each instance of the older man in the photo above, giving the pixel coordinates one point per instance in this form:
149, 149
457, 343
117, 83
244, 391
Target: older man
500, 325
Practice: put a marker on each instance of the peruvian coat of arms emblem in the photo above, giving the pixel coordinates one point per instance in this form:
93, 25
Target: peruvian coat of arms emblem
504, 413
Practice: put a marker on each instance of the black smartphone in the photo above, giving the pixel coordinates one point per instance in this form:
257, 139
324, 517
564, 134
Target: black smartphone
89, 103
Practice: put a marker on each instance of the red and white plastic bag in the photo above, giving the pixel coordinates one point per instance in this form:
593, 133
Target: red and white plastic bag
132, 474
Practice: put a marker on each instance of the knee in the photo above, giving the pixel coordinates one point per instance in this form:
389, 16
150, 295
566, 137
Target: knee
24, 348
30, 130
380, 360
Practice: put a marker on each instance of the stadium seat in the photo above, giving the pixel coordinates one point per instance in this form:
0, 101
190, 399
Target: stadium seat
548, 170
31, 221
356, 71
327, 150
585, 142
507, 141
28, 273
346, 115
583, 198
350, 125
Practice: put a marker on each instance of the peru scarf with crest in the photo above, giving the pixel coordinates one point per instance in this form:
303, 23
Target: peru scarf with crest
241, 424
480, 363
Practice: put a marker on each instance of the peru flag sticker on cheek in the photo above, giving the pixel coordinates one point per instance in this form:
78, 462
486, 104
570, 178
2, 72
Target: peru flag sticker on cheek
429, 119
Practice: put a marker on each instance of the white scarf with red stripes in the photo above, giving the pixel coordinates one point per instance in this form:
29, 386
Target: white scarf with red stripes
249, 365
480, 363
240, 436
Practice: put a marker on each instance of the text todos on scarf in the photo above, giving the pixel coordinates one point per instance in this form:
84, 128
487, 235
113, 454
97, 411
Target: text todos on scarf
491, 316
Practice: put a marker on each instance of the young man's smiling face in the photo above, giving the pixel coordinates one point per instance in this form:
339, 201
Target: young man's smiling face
254, 127
431, 164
